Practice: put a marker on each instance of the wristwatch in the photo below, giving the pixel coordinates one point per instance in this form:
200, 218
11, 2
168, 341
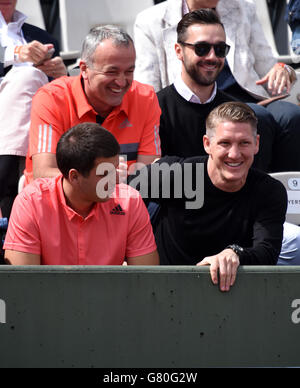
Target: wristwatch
236, 249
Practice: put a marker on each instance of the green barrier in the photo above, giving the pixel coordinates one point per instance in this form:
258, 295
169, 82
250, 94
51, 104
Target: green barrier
160, 317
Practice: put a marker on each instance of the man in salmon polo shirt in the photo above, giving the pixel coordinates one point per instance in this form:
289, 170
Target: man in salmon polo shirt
81, 216
103, 92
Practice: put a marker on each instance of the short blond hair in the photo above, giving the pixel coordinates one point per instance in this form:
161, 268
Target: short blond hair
233, 111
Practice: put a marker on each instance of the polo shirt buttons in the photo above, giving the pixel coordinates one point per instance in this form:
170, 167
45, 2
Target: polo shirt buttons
81, 242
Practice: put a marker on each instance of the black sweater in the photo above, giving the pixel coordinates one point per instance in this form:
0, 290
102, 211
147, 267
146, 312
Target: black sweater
182, 123
252, 217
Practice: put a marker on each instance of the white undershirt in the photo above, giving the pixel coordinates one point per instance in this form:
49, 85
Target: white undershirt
187, 93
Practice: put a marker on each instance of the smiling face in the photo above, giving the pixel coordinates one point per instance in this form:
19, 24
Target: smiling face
109, 77
7, 7
231, 152
201, 71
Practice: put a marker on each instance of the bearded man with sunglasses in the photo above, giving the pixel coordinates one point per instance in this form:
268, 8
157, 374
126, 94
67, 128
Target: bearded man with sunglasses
201, 48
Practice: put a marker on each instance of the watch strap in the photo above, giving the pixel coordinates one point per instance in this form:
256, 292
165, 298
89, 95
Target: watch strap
236, 249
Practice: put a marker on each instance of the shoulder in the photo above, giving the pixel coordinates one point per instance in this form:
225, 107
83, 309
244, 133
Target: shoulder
59, 87
167, 93
127, 196
153, 13
225, 7
142, 96
266, 186
39, 185
223, 97
37, 190
236, 11
126, 191
177, 159
32, 32
141, 89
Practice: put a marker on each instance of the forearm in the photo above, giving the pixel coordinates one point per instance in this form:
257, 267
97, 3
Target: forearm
148, 259
44, 166
266, 247
49, 172
21, 258
261, 255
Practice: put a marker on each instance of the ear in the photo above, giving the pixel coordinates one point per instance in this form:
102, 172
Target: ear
73, 176
83, 68
257, 145
178, 51
206, 144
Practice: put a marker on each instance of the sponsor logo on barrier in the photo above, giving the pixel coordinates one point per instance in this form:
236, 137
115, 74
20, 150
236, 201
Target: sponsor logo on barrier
296, 313
2, 311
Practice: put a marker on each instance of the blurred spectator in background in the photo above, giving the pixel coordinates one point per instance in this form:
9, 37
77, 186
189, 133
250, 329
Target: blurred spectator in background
293, 19
186, 104
25, 66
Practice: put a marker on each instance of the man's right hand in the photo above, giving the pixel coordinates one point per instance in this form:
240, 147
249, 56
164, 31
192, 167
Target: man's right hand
34, 52
226, 264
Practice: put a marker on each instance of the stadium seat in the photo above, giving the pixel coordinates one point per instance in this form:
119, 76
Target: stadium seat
265, 20
291, 181
21, 183
78, 18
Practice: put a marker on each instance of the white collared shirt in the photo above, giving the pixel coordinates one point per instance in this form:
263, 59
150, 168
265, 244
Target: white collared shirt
11, 35
188, 95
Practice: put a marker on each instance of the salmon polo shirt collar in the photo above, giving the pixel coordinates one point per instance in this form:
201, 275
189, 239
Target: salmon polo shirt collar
69, 211
83, 106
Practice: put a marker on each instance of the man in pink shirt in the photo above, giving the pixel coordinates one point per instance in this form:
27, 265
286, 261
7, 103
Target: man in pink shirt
81, 217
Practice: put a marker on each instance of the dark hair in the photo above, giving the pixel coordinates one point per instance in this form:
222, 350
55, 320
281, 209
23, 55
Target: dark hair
81, 145
199, 16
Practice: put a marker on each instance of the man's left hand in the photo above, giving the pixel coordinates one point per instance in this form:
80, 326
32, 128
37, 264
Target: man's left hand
226, 263
53, 67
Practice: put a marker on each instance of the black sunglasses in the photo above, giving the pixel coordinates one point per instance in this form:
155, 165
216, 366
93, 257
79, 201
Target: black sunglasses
203, 48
